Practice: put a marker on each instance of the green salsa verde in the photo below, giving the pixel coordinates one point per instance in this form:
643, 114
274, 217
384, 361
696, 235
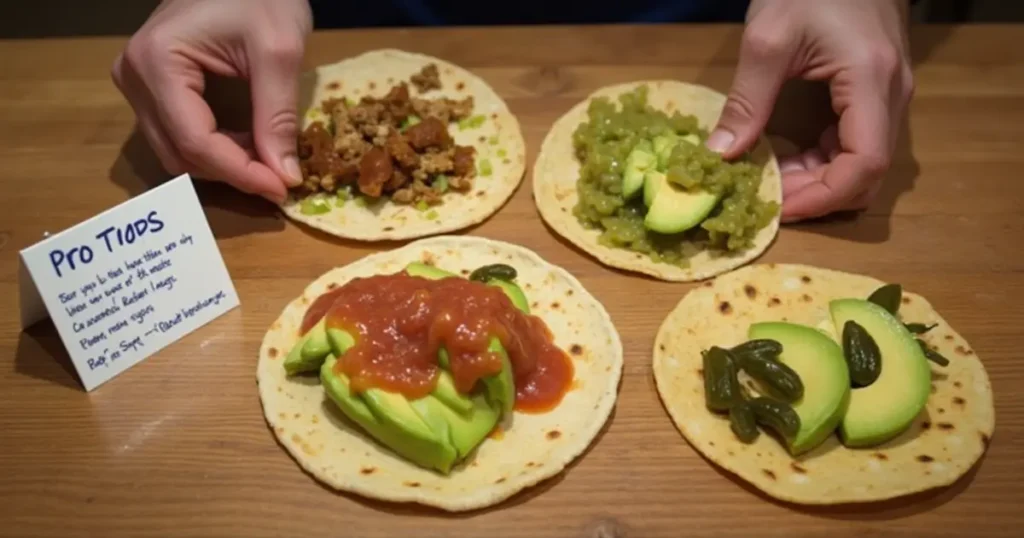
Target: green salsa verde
672, 146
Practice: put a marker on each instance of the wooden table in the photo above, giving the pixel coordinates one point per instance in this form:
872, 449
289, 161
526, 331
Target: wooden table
177, 446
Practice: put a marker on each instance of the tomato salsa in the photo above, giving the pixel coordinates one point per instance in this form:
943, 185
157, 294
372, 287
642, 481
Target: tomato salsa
399, 322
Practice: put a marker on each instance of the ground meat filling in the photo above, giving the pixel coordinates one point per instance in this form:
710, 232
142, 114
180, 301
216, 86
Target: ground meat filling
396, 146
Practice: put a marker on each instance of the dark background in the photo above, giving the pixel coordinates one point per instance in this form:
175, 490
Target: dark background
61, 18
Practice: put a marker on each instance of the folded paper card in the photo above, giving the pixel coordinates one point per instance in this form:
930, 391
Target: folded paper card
126, 283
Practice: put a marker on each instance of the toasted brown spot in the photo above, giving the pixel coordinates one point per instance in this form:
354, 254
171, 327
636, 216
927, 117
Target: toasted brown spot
751, 291
272, 352
805, 279
429, 258
961, 350
880, 456
297, 415
555, 305
957, 384
482, 139
373, 85
725, 308
389, 228
906, 300
553, 434
805, 298
368, 470
700, 373
530, 464
332, 285
304, 300
924, 458
607, 368
948, 337
474, 464
933, 388
797, 468
460, 86
500, 480
568, 293
959, 401
945, 426
576, 349
334, 85
479, 194
279, 389
534, 305
412, 484
661, 347
926, 425
941, 411
279, 430
494, 116
506, 161
774, 301
984, 438
711, 443
315, 419
296, 438
731, 453
282, 416
768, 473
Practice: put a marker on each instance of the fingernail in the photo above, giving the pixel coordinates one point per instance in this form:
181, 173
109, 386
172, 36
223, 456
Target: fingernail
291, 167
790, 165
720, 140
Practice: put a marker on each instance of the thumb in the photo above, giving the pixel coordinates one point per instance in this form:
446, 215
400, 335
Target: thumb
764, 62
274, 78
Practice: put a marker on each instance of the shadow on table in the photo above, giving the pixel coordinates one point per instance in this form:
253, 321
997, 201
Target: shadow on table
802, 112
41, 355
230, 212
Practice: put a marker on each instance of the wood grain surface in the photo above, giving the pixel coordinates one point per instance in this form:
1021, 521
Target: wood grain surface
178, 446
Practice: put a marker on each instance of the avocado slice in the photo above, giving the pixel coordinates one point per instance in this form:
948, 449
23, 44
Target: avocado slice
501, 388
664, 144
514, 292
340, 341
885, 408
652, 180
310, 351
674, 209
427, 271
819, 362
446, 393
639, 161
465, 431
427, 451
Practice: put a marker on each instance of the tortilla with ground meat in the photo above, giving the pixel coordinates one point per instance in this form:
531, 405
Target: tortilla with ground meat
557, 170
398, 145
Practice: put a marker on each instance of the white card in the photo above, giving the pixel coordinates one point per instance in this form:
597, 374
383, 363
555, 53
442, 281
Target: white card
126, 283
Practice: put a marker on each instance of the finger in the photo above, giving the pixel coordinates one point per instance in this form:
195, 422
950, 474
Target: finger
127, 80
813, 159
190, 124
765, 56
864, 150
796, 180
275, 77
829, 142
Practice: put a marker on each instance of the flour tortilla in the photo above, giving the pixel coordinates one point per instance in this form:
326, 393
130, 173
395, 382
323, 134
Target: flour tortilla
557, 169
532, 448
375, 73
940, 446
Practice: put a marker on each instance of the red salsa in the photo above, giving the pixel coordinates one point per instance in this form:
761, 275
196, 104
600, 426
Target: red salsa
399, 322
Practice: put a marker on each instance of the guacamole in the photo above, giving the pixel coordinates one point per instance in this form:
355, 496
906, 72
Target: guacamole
691, 199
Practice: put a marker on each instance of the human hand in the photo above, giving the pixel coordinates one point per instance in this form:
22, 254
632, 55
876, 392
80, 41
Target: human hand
161, 74
859, 47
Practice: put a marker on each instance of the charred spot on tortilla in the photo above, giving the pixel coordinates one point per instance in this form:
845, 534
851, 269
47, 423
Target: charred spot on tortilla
961, 350
332, 285
797, 468
368, 470
924, 458
769, 473
661, 347
945, 426
459, 86
750, 291
942, 411
905, 299
959, 401
725, 308
926, 425
949, 337
555, 305
389, 228
373, 85
880, 456
957, 384
774, 301
805, 279
500, 480
412, 484
464, 272
494, 115
553, 434
333, 85
272, 352
576, 349
805, 298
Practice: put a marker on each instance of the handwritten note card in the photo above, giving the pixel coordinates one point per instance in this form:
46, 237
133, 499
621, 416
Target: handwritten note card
123, 285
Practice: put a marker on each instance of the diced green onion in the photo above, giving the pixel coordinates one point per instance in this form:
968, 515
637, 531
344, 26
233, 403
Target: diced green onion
422, 205
441, 183
316, 205
493, 140
484, 167
471, 122
501, 152
432, 214
409, 122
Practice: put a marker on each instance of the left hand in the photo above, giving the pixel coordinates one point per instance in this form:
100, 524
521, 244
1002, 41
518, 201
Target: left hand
860, 47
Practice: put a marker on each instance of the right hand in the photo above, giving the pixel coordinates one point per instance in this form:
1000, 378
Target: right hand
160, 72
